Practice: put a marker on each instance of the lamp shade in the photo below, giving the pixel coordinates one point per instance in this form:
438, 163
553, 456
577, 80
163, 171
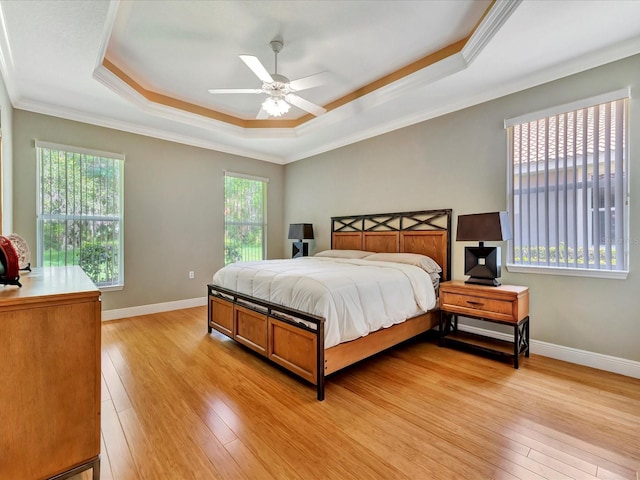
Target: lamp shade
484, 227
301, 231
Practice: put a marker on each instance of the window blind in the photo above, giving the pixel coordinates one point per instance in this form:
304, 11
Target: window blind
568, 189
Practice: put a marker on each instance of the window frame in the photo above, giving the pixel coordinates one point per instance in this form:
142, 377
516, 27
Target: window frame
552, 269
120, 217
263, 224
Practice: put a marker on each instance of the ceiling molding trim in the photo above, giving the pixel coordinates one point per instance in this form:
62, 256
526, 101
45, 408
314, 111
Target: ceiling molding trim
495, 17
109, 23
6, 59
444, 68
167, 101
119, 76
395, 78
125, 91
100, 121
423, 71
404, 72
586, 62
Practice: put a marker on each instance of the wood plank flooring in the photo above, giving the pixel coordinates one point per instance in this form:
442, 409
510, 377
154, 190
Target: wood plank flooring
180, 404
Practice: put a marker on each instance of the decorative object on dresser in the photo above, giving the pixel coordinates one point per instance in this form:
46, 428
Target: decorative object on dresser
300, 232
295, 339
9, 263
505, 304
50, 371
483, 264
22, 249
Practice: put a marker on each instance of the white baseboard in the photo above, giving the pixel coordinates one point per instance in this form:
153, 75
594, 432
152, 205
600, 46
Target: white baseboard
153, 308
608, 363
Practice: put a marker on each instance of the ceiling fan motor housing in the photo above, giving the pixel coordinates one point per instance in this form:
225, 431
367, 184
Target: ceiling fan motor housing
276, 45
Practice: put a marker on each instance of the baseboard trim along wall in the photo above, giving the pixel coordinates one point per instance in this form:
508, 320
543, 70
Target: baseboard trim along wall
108, 315
608, 363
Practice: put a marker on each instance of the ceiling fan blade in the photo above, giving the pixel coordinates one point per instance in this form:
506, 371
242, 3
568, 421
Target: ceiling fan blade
256, 67
311, 81
305, 105
235, 90
262, 114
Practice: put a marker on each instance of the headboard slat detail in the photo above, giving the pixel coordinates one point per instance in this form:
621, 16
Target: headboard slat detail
427, 232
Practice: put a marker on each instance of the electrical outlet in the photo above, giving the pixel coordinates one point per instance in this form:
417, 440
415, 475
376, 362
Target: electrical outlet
192, 274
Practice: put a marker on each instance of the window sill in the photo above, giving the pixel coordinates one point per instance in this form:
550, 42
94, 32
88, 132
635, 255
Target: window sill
111, 288
571, 272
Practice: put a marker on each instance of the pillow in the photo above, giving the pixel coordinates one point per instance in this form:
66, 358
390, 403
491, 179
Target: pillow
351, 254
422, 261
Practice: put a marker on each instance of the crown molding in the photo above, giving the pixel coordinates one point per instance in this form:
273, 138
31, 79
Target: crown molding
106, 122
489, 25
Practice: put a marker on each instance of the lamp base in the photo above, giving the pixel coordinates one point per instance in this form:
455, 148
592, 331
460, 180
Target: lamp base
300, 249
490, 282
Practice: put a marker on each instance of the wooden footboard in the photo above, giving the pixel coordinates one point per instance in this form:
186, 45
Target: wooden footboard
290, 338
295, 340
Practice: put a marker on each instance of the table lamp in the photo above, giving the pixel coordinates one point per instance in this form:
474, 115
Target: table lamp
483, 264
300, 232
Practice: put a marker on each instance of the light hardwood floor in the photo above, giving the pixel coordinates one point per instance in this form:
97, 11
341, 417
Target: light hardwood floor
181, 404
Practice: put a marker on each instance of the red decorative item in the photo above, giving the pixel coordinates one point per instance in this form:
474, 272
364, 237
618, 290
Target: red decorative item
9, 258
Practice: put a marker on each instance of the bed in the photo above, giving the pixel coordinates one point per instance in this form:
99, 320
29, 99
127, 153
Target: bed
303, 341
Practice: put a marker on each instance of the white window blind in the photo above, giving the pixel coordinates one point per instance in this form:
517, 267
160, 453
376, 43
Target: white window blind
80, 211
568, 190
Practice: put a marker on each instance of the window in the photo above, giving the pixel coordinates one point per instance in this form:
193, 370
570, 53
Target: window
568, 188
245, 219
80, 211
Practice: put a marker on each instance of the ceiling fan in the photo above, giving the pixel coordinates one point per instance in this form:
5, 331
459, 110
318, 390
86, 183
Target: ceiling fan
280, 90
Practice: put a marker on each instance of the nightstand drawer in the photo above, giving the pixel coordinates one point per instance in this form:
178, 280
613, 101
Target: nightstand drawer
490, 305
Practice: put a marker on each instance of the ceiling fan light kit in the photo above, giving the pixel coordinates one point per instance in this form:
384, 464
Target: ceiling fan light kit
280, 90
275, 107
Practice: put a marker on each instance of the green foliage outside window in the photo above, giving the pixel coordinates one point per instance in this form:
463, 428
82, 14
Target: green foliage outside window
538, 256
80, 213
244, 212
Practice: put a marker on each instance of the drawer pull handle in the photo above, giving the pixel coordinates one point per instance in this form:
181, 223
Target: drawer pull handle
480, 304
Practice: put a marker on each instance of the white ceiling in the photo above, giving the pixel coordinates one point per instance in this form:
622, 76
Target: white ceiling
52, 60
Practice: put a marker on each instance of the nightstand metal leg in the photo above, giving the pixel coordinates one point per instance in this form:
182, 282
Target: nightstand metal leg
524, 337
448, 323
520, 340
516, 345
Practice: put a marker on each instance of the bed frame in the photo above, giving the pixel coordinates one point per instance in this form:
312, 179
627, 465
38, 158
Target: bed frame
294, 339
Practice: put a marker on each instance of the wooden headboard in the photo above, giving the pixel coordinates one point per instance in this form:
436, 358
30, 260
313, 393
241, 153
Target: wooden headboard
427, 232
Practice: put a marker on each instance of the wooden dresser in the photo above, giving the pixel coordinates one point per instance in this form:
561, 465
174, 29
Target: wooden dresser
50, 375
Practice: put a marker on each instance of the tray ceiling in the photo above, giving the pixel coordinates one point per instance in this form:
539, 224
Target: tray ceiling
146, 66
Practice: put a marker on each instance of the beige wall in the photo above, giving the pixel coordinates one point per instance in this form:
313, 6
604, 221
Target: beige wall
173, 197
458, 161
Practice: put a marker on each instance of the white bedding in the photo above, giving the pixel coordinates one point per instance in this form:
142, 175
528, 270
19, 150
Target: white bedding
355, 297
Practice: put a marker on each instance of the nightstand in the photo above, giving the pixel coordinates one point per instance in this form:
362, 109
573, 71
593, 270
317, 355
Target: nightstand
506, 305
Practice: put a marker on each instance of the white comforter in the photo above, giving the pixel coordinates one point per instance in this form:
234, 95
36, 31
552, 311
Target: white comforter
355, 297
